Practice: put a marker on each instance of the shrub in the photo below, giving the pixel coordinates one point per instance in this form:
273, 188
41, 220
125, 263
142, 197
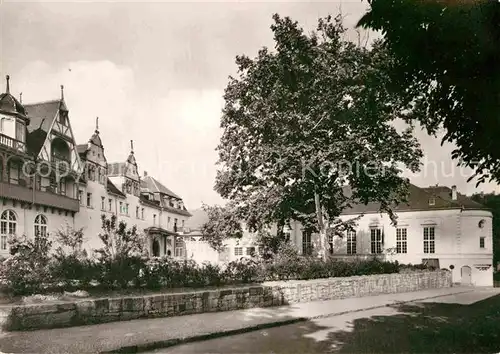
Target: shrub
121, 259
28, 270
246, 270
71, 262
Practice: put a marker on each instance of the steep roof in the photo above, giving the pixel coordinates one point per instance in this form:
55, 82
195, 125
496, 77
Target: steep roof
10, 105
111, 188
418, 200
42, 114
82, 149
155, 186
445, 193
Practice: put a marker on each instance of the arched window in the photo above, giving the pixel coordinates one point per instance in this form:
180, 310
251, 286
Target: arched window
40, 225
8, 223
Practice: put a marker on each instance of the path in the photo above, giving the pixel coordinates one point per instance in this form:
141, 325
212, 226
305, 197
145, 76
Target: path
462, 323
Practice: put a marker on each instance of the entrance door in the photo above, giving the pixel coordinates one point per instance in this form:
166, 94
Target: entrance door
466, 274
156, 248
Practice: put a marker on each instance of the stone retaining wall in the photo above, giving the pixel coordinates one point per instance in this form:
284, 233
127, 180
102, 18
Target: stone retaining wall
92, 311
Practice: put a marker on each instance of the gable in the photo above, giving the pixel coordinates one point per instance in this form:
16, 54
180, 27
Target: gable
131, 169
95, 152
58, 130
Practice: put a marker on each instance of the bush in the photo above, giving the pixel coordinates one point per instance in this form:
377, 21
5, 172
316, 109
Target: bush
28, 270
121, 260
121, 263
246, 270
71, 262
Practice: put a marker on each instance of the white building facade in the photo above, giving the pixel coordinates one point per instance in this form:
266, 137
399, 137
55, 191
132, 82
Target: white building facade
437, 226
49, 183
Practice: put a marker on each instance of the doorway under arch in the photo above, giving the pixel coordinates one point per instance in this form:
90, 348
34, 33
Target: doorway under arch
466, 275
156, 248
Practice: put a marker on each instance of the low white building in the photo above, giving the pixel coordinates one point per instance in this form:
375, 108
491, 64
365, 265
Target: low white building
437, 226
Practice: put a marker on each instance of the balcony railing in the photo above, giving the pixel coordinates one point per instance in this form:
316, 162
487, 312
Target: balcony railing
42, 197
12, 143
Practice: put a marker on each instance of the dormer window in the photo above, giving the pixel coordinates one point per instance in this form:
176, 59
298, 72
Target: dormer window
432, 201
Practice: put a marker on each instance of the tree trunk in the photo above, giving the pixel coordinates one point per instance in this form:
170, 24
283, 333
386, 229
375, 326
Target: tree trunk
321, 227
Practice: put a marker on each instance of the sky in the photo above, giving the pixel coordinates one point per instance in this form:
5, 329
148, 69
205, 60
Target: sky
155, 73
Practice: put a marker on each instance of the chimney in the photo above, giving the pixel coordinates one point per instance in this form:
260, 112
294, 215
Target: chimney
145, 173
453, 192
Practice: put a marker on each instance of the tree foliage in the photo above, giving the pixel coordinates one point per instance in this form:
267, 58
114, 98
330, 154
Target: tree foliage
446, 62
304, 119
223, 222
120, 241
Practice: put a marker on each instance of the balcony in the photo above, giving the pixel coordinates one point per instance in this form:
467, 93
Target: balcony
61, 161
45, 198
12, 143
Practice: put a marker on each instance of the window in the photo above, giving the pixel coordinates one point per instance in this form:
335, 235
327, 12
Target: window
432, 201
2, 124
182, 223
89, 200
154, 219
121, 207
137, 212
142, 213
401, 241
376, 240
238, 251
80, 196
90, 172
20, 129
8, 223
306, 243
38, 185
429, 240
110, 204
62, 186
260, 249
250, 251
351, 242
13, 172
40, 225
179, 247
482, 242
168, 222
126, 209
102, 203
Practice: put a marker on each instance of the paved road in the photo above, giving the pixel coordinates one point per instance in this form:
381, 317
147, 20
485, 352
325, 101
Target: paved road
465, 323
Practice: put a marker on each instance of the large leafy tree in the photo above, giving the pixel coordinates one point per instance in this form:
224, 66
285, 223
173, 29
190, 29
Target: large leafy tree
446, 62
302, 120
223, 223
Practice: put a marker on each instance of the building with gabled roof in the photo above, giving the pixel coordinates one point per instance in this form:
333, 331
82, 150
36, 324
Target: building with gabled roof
436, 225
49, 182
